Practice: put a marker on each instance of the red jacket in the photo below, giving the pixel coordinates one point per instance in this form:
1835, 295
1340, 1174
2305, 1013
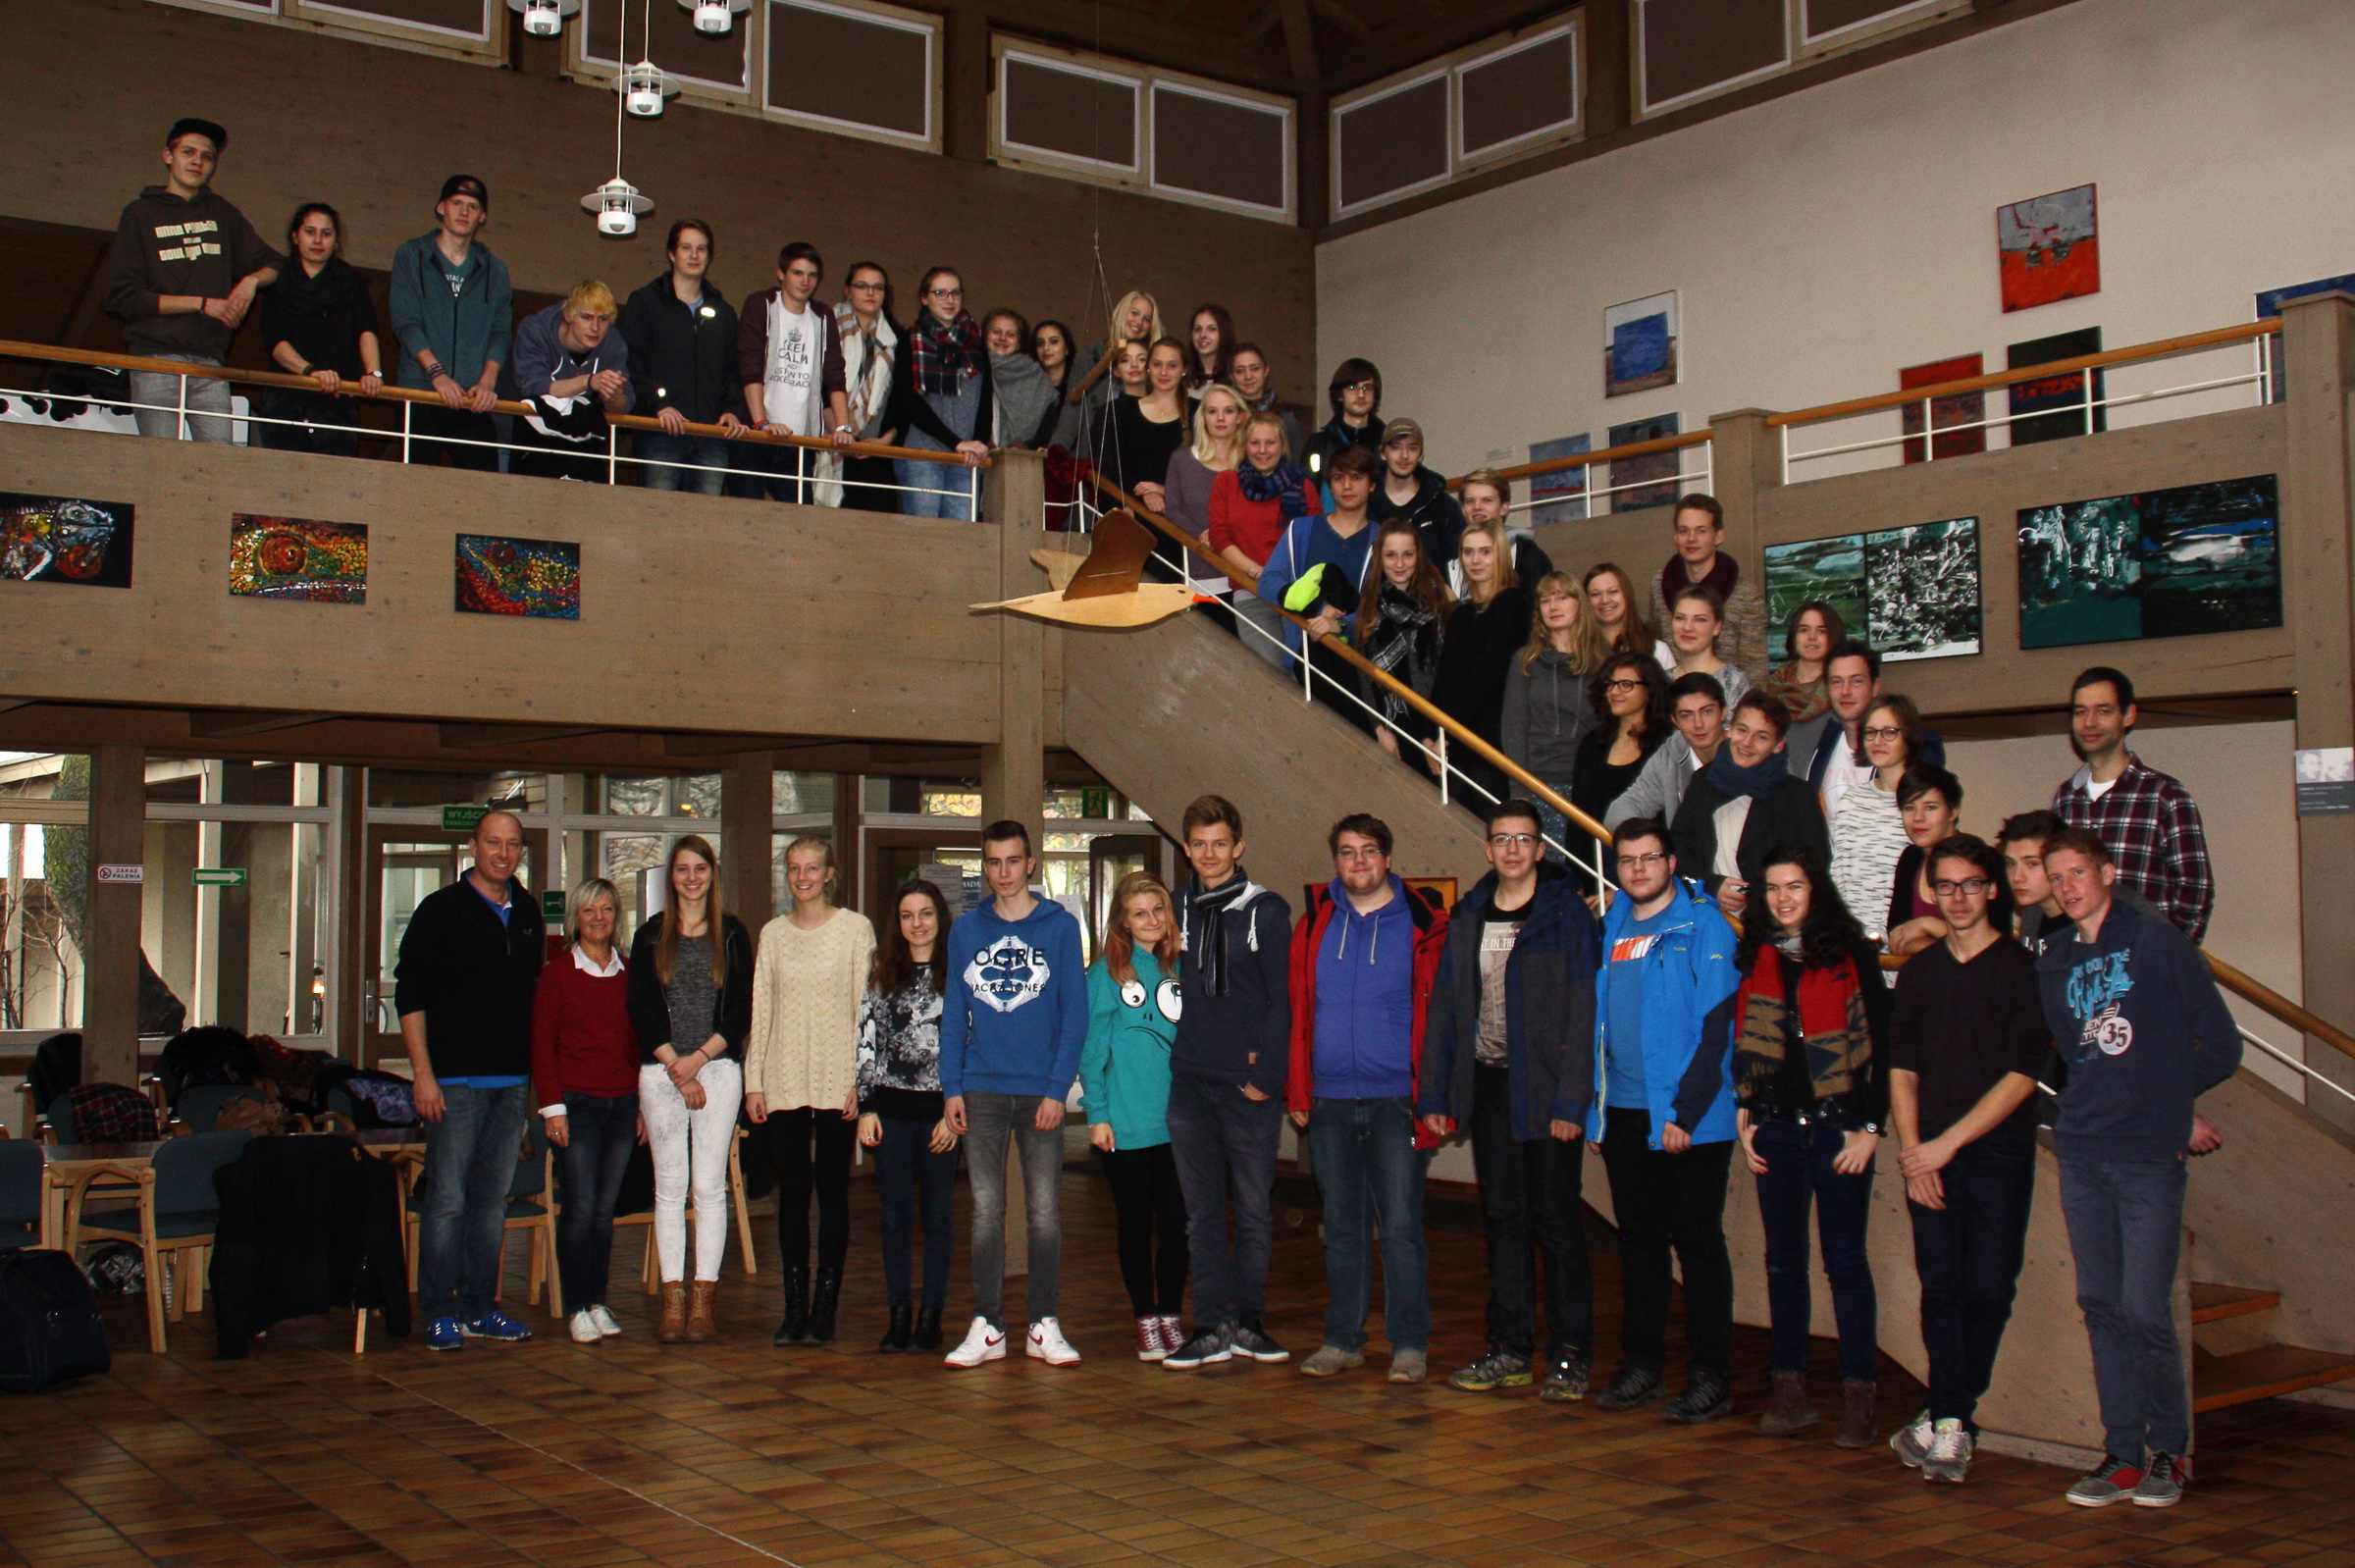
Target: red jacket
1431, 939
1251, 526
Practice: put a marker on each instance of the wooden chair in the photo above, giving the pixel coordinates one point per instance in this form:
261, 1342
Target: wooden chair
531, 1207
22, 1180
172, 1216
650, 1274
199, 1108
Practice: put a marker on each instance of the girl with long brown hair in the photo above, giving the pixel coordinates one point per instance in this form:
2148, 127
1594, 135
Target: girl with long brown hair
1400, 625
1619, 613
901, 1108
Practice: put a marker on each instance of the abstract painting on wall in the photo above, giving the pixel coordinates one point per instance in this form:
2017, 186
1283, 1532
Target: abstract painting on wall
2269, 305
2063, 394
60, 539
1912, 592
1640, 346
2048, 248
1561, 495
2175, 562
535, 577
298, 558
1958, 408
1646, 466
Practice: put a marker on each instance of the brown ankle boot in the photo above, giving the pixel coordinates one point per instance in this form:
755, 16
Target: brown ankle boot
1786, 1410
674, 1326
1856, 1413
699, 1302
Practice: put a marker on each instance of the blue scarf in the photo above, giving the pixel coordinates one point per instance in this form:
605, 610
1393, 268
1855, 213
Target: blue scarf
1284, 483
1732, 778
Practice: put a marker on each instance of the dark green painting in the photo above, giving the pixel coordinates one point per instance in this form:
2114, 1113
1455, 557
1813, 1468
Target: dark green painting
2176, 562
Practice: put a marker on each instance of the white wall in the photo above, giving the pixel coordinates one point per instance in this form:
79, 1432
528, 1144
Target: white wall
1820, 241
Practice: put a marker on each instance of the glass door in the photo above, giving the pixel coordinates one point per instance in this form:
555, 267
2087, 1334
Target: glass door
405, 865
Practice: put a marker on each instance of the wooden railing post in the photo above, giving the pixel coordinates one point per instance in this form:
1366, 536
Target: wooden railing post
1744, 459
1014, 779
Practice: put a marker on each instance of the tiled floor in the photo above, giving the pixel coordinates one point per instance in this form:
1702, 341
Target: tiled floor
735, 1453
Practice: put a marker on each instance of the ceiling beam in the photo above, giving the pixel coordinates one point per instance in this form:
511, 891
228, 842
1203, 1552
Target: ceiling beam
1300, 44
1261, 26
1340, 16
1172, 9
725, 745
483, 737
228, 723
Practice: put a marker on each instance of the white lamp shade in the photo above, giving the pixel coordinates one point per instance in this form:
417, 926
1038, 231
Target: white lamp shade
643, 87
544, 18
617, 205
714, 17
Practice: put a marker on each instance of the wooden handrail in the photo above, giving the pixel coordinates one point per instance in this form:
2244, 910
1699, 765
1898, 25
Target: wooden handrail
2162, 348
11, 349
1633, 449
2263, 996
1536, 788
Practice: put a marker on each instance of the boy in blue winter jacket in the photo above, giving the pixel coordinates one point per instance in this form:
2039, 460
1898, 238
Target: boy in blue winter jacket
1663, 1113
1011, 1029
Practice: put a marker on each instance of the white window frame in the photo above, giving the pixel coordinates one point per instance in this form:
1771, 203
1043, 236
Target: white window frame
581, 66
1646, 109
1854, 34
1800, 48
1136, 81
874, 11
1421, 77
489, 45
1279, 111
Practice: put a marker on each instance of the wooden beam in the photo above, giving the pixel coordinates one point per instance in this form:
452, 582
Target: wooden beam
229, 722
1340, 16
477, 737
110, 1007
1261, 26
747, 807
724, 745
1300, 44
1173, 9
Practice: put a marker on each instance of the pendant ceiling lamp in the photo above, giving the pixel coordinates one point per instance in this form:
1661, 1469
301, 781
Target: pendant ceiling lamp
544, 18
617, 203
715, 17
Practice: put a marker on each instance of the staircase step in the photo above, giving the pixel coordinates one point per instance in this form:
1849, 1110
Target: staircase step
2213, 1303
2220, 1382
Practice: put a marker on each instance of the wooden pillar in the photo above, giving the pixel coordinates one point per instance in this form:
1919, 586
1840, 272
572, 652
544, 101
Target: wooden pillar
1014, 778
850, 812
1611, 67
2318, 501
351, 971
1744, 459
966, 83
747, 817
233, 908
110, 985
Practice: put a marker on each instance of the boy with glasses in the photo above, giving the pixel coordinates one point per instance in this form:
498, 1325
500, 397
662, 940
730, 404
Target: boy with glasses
1664, 1056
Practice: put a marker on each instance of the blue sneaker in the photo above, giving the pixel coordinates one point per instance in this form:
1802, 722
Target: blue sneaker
444, 1333
496, 1325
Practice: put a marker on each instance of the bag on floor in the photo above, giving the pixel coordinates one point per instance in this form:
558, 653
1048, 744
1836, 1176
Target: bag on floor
49, 1325
117, 1268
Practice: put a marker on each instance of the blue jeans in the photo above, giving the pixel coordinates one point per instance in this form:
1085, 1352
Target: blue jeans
2126, 1225
599, 1131
1798, 1172
1371, 1177
1225, 1143
469, 1165
907, 1171
1968, 1255
992, 1121
928, 484
653, 447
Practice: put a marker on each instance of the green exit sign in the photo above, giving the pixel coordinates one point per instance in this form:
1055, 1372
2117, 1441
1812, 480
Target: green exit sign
462, 819
552, 906
1095, 804
220, 876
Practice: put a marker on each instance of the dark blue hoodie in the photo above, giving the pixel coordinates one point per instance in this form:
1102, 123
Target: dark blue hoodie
1365, 1024
1016, 1012
1239, 1031
2144, 1032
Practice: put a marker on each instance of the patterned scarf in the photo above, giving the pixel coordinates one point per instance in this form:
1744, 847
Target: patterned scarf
1829, 1026
946, 354
1404, 643
1284, 483
1206, 928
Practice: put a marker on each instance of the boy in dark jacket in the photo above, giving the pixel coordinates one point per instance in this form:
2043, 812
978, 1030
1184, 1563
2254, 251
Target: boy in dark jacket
2138, 1017
1509, 1027
1364, 958
682, 336
183, 272
1227, 1084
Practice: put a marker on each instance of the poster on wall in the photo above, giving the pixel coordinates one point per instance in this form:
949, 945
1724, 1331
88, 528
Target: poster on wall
539, 578
1640, 344
1561, 495
62, 539
2269, 305
1958, 408
1912, 592
2063, 394
2327, 781
1646, 466
2178, 562
298, 558
2048, 248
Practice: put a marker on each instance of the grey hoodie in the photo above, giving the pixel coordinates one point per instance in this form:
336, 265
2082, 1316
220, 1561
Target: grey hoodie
1547, 713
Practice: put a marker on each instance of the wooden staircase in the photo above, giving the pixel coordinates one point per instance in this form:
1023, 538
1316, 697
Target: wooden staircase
2233, 1363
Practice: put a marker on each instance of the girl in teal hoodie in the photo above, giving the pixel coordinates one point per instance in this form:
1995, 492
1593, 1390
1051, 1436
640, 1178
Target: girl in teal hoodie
1125, 1075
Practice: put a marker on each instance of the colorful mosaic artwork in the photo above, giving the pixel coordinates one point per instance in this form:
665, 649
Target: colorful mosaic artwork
298, 558
57, 539
535, 577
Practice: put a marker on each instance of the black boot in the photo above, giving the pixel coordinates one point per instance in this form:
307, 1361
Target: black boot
927, 1329
821, 1308
902, 1332
796, 1308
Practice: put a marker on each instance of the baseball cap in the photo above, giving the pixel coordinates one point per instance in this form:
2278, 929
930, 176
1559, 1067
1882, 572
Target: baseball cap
466, 185
189, 124
1402, 430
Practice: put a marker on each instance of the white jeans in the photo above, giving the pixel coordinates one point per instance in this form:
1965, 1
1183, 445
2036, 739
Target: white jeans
689, 1143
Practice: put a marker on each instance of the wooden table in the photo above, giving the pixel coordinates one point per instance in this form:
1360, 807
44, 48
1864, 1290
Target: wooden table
63, 1163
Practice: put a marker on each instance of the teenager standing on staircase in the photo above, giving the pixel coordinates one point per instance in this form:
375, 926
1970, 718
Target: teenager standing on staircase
801, 1079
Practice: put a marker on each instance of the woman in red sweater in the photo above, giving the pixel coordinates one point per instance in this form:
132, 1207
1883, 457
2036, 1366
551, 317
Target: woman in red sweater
1251, 504
584, 1072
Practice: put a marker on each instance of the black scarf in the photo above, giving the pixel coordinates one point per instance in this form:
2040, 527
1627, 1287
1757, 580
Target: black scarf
946, 354
1206, 930
1284, 483
1732, 778
1405, 643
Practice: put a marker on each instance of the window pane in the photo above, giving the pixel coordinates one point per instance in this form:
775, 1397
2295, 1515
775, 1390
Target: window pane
799, 793
40, 947
840, 67
234, 921
1071, 114
1393, 142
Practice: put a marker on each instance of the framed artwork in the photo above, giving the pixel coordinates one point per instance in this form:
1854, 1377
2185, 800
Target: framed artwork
2176, 562
298, 558
2048, 248
2063, 394
2269, 305
62, 539
1911, 592
1640, 346
1649, 465
1958, 408
1560, 497
539, 578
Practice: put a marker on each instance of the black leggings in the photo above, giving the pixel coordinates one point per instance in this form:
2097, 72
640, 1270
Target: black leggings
1148, 1200
810, 1150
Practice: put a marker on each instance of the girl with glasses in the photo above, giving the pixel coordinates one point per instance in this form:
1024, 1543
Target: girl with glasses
1868, 834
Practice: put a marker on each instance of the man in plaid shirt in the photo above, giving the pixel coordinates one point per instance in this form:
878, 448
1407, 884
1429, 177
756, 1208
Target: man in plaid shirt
2148, 821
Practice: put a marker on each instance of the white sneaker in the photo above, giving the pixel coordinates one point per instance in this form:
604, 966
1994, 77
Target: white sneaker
604, 1322
585, 1330
1949, 1458
981, 1343
1049, 1346
1911, 1441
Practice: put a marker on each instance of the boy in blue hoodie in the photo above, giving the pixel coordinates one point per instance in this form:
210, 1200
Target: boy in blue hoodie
2145, 1034
1663, 1113
1011, 1029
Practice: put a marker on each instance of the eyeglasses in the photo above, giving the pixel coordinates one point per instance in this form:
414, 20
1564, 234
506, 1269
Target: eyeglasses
1506, 841
1970, 886
944, 294
1884, 735
1636, 863
877, 288
1622, 686
1359, 387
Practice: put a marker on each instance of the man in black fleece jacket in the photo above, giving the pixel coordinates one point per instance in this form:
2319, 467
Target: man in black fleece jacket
469, 967
1227, 1076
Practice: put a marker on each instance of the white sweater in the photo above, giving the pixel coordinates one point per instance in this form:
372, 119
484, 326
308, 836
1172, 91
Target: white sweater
1867, 837
807, 987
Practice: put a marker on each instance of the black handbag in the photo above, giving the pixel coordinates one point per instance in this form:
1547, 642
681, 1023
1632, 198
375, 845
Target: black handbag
49, 1327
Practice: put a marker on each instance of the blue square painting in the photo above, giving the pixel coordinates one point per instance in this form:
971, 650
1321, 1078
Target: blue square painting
1640, 346
1561, 495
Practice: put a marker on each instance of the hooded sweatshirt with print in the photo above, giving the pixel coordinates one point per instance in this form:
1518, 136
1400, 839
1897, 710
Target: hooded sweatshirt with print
1687, 986
1125, 1069
2144, 1032
1233, 983
168, 244
1015, 1015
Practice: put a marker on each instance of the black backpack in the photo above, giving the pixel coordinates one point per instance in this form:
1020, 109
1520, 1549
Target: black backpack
49, 1325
